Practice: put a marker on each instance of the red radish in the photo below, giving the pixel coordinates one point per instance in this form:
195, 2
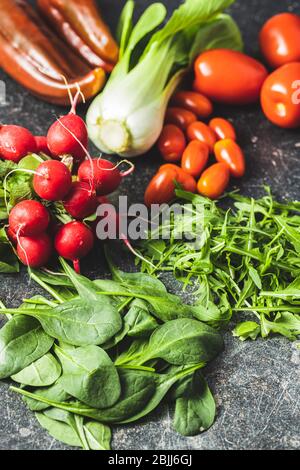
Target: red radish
11, 235
74, 241
29, 218
35, 251
81, 201
42, 146
16, 142
105, 175
52, 180
68, 136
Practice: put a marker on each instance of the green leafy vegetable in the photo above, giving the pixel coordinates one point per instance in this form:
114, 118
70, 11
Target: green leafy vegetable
242, 259
78, 322
41, 373
60, 431
195, 411
152, 63
22, 341
90, 376
55, 392
181, 342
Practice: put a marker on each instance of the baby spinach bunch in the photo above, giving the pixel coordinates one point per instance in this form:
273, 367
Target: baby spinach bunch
108, 352
245, 258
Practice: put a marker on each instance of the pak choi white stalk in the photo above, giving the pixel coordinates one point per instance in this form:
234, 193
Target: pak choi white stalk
127, 117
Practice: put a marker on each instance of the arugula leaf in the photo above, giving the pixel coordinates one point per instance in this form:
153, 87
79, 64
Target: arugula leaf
246, 330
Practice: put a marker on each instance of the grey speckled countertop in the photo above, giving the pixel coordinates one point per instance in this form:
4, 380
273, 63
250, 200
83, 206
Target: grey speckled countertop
256, 384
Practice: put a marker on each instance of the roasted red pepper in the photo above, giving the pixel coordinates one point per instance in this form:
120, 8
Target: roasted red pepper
79, 23
33, 56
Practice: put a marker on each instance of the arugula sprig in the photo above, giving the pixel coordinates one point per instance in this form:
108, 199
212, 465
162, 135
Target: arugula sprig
248, 259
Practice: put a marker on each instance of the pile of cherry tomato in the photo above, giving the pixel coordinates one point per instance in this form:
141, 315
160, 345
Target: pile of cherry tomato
231, 78
187, 141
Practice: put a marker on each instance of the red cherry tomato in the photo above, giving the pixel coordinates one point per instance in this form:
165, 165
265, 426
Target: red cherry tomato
195, 158
229, 77
171, 143
214, 181
194, 102
280, 39
223, 128
161, 188
280, 98
200, 131
229, 152
180, 117
184, 179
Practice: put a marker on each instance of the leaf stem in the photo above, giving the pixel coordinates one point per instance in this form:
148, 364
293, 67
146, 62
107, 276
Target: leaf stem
47, 288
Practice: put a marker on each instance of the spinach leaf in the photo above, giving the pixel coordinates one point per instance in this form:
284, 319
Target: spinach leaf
59, 430
41, 373
140, 322
134, 352
136, 282
78, 322
182, 342
164, 383
85, 288
60, 280
91, 435
137, 388
75, 422
54, 392
22, 341
98, 435
137, 323
195, 411
90, 376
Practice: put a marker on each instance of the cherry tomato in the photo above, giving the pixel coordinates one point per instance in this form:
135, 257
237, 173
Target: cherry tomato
171, 143
180, 117
229, 77
161, 188
200, 131
280, 39
223, 128
214, 181
229, 152
195, 158
279, 97
194, 102
187, 181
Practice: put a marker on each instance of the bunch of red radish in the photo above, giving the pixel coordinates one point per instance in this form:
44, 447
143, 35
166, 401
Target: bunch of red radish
30, 222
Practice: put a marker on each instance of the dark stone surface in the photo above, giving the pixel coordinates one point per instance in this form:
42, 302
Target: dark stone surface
256, 383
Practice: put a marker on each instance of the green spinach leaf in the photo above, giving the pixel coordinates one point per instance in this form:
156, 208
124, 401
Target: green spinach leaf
54, 392
90, 376
59, 430
78, 322
41, 373
22, 341
182, 342
195, 411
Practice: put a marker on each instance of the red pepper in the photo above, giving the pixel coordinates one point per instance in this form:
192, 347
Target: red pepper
33, 56
80, 24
